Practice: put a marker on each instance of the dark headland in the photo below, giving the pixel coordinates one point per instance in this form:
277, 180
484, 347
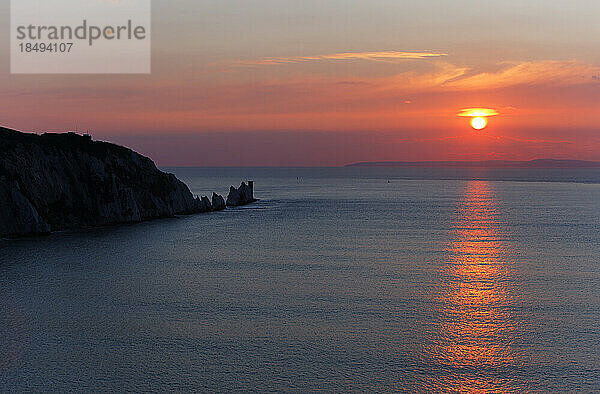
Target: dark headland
53, 182
539, 163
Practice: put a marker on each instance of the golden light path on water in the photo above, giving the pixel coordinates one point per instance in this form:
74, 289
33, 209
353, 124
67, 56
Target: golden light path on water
475, 327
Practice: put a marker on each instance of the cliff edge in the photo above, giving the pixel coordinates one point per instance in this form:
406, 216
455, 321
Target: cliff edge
54, 182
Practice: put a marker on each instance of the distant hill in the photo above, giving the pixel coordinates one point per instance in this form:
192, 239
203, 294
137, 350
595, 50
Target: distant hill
539, 163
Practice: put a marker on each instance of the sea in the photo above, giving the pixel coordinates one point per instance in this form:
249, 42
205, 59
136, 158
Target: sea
343, 279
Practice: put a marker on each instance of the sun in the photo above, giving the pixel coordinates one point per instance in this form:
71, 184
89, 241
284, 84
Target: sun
478, 116
479, 123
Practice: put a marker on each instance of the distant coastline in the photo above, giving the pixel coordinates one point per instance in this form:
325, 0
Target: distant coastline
538, 163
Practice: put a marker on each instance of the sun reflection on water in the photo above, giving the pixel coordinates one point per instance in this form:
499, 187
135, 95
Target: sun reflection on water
475, 326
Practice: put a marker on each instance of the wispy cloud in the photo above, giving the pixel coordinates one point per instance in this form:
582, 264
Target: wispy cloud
548, 72
475, 112
450, 77
369, 56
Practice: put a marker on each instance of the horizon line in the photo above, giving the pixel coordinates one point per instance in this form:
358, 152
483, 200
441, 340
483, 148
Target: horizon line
489, 163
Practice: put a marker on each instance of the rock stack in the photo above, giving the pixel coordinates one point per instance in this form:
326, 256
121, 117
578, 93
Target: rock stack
243, 195
218, 202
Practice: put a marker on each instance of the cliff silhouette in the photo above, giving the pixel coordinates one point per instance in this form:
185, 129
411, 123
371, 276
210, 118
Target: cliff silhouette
54, 182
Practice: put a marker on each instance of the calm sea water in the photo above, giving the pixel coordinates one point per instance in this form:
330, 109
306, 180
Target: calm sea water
340, 279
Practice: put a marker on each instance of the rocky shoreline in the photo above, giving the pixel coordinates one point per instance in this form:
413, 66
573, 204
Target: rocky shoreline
54, 182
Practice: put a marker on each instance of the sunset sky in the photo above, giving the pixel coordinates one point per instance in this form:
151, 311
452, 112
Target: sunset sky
330, 82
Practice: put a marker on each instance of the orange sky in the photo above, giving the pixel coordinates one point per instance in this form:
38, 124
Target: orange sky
329, 83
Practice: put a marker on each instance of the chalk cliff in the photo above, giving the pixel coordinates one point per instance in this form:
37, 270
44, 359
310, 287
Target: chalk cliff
54, 182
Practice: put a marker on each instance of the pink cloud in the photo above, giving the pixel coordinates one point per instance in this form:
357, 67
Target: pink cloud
370, 56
